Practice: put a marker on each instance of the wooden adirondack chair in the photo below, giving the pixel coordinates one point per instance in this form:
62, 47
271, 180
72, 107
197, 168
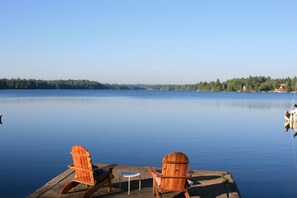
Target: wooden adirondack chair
87, 173
174, 175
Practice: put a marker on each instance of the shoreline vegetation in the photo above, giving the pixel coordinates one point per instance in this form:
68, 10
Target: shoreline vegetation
250, 84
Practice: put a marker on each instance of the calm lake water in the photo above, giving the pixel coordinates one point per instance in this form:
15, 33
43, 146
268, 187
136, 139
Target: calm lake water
242, 133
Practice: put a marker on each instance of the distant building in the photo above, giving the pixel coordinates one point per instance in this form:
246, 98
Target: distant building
281, 88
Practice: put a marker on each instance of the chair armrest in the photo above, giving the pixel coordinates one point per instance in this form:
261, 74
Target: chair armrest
181, 177
71, 166
189, 176
110, 166
190, 172
153, 171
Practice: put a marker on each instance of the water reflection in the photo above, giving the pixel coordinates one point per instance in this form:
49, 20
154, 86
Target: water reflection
291, 122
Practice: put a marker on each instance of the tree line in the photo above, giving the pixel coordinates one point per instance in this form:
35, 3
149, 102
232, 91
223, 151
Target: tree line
58, 84
250, 84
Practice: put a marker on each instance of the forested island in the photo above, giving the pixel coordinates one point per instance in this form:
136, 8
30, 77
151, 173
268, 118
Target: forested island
250, 84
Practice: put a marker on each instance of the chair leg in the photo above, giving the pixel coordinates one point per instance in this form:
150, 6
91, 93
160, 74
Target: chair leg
187, 194
110, 177
93, 189
158, 191
68, 187
159, 195
154, 184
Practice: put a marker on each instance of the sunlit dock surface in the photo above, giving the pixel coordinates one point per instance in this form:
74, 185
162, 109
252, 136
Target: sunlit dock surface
206, 184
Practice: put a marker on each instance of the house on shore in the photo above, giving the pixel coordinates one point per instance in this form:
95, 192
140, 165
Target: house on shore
280, 88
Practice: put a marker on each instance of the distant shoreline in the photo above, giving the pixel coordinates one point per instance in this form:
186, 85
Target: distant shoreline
251, 84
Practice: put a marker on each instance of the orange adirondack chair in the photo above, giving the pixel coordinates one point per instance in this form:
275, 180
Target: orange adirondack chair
87, 173
174, 175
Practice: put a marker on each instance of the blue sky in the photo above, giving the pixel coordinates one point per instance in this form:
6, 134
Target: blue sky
149, 41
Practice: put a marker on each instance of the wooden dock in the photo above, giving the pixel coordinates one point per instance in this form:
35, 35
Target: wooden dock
206, 184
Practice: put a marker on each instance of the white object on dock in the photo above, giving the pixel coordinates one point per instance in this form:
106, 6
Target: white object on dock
129, 175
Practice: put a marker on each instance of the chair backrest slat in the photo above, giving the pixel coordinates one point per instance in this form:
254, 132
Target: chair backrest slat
175, 165
82, 165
